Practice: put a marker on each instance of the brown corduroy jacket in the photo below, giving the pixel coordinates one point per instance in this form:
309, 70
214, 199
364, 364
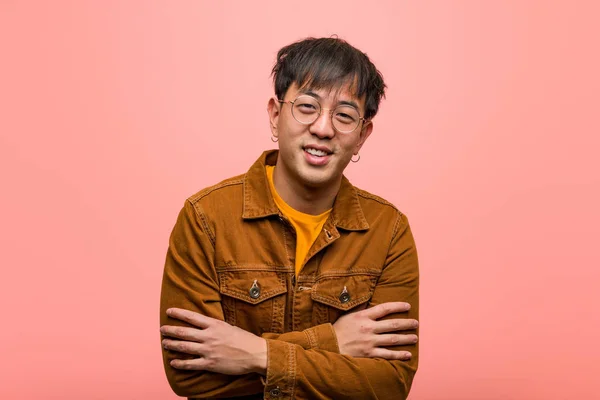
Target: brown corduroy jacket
231, 235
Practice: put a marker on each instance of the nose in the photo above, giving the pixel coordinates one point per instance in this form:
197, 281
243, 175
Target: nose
323, 126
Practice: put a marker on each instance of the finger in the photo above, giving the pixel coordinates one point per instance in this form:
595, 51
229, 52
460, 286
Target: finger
393, 325
381, 310
395, 340
191, 317
390, 354
181, 346
196, 364
182, 332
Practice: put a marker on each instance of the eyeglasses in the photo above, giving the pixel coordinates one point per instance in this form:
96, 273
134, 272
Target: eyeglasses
306, 110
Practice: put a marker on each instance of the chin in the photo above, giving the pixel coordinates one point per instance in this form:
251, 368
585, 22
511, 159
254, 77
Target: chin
316, 179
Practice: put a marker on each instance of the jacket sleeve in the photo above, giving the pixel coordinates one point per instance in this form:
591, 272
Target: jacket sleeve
190, 282
295, 372
316, 337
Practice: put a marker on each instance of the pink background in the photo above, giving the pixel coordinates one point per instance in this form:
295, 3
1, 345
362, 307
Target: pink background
113, 112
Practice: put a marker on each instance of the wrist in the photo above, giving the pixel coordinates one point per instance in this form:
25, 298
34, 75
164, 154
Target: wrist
260, 359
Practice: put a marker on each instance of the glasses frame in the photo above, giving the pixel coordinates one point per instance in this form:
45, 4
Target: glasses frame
364, 120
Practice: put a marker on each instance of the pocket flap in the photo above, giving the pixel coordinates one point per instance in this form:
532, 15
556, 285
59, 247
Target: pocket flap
344, 292
252, 286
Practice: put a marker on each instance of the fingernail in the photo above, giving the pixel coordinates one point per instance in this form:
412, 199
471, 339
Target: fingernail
169, 311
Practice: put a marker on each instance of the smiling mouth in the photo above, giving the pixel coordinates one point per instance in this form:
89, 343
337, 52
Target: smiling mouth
316, 152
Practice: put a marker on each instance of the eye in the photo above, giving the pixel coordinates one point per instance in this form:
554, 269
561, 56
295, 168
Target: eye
343, 117
306, 107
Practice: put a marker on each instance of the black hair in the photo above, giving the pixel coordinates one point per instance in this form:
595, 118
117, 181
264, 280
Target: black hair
329, 63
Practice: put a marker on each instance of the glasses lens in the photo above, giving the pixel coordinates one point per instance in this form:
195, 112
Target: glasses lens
306, 109
345, 118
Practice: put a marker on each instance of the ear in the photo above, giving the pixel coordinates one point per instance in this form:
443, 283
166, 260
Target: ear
274, 109
365, 132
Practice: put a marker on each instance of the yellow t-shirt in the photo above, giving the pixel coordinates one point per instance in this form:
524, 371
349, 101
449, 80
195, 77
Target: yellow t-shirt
307, 226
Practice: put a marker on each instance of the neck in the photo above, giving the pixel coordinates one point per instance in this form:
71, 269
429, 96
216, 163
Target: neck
308, 200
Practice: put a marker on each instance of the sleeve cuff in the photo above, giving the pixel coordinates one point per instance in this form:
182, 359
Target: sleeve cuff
281, 370
323, 337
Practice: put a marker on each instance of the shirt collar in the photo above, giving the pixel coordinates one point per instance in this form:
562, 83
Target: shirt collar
258, 201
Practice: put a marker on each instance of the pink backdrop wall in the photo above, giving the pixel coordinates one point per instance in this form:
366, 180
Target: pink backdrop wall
113, 112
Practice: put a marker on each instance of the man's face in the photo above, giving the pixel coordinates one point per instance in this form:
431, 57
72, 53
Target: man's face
316, 155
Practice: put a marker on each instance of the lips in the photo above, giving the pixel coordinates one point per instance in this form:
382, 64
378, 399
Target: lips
317, 155
317, 150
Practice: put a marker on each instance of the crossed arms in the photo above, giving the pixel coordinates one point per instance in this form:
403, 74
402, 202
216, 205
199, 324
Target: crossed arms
370, 354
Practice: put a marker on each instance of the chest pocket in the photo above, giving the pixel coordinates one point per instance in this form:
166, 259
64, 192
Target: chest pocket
254, 300
335, 295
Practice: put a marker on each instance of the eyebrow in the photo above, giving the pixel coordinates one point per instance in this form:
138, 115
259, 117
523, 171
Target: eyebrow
341, 102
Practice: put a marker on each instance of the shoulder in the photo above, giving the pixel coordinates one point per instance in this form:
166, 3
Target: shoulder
217, 204
370, 200
374, 200
377, 208
224, 190
221, 199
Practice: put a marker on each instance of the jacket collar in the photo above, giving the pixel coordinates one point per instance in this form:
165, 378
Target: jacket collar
258, 201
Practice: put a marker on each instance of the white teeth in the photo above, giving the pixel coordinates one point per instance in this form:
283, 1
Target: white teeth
315, 152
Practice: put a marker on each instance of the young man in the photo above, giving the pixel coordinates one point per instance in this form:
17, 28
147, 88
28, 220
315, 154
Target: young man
288, 282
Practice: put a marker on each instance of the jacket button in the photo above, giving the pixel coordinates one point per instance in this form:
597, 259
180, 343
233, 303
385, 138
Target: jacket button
275, 392
255, 290
345, 296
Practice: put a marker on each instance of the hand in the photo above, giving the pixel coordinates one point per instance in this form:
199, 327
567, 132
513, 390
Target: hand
359, 334
220, 347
